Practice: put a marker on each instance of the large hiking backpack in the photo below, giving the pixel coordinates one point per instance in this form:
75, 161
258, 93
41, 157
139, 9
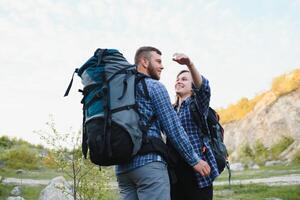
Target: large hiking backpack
212, 129
111, 129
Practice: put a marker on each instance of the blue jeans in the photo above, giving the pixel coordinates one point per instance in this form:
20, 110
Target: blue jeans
150, 181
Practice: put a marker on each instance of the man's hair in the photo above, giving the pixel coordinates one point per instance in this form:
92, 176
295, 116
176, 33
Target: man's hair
145, 52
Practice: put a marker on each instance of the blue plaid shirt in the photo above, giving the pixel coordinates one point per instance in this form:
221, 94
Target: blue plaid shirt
167, 121
202, 96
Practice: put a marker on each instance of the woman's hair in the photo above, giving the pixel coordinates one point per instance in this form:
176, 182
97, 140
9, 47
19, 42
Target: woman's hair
181, 72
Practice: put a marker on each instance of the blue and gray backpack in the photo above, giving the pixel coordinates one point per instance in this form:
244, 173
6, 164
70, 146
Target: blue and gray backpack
211, 128
111, 129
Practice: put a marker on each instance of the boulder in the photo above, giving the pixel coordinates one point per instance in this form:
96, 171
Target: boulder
16, 191
255, 166
57, 189
237, 166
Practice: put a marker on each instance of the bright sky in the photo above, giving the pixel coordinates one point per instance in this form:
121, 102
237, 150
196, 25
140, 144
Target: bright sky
240, 46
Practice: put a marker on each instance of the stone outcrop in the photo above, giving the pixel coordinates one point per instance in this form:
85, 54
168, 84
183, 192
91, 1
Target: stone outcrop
269, 121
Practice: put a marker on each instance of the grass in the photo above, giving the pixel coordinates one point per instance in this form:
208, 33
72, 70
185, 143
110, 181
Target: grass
40, 174
244, 192
28, 192
33, 193
257, 192
263, 172
4, 191
32, 174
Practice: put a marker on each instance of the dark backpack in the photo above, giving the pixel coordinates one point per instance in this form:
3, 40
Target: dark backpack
214, 131
111, 129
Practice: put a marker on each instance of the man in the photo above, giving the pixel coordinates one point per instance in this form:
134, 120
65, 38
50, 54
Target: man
146, 176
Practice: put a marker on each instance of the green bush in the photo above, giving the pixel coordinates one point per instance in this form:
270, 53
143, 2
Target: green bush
296, 156
280, 146
261, 152
21, 157
246, 154
5, 142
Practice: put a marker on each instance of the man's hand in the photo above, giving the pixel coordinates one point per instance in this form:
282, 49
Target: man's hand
182, 59
202, 167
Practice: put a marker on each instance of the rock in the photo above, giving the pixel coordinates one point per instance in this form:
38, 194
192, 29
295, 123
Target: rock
270, 121
255, 166
57, 189
272, 198
15, 198
273, 162
237, 166
16, 191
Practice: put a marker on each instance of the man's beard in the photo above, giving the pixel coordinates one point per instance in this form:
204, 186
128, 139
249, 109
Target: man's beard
151, 71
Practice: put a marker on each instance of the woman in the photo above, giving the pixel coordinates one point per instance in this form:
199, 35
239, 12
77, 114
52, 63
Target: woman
191, 85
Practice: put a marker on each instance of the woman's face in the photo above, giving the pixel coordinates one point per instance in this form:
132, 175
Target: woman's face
183, 85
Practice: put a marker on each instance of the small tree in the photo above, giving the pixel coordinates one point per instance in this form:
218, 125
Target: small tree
88, 181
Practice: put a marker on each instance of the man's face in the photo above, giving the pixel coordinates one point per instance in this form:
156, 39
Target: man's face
155, 66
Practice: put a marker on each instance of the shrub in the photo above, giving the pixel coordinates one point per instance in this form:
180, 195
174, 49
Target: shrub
246, 153
21, 157
280, 146
5, 142
296, 156
261, 152
286, 83
49, 161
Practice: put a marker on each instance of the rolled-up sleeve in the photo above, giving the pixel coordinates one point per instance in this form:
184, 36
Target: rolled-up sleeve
171, 124
203, 96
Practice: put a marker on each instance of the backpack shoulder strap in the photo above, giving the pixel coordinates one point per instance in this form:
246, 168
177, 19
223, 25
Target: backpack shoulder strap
213, 118
71, 83
141, 78
196, 116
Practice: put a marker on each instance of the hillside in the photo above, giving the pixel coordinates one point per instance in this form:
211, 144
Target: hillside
273, 119
281, 86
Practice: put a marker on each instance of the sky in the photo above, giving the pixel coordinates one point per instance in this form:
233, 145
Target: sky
239, 46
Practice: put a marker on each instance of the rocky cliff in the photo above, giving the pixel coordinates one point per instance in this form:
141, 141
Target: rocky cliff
270, 120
